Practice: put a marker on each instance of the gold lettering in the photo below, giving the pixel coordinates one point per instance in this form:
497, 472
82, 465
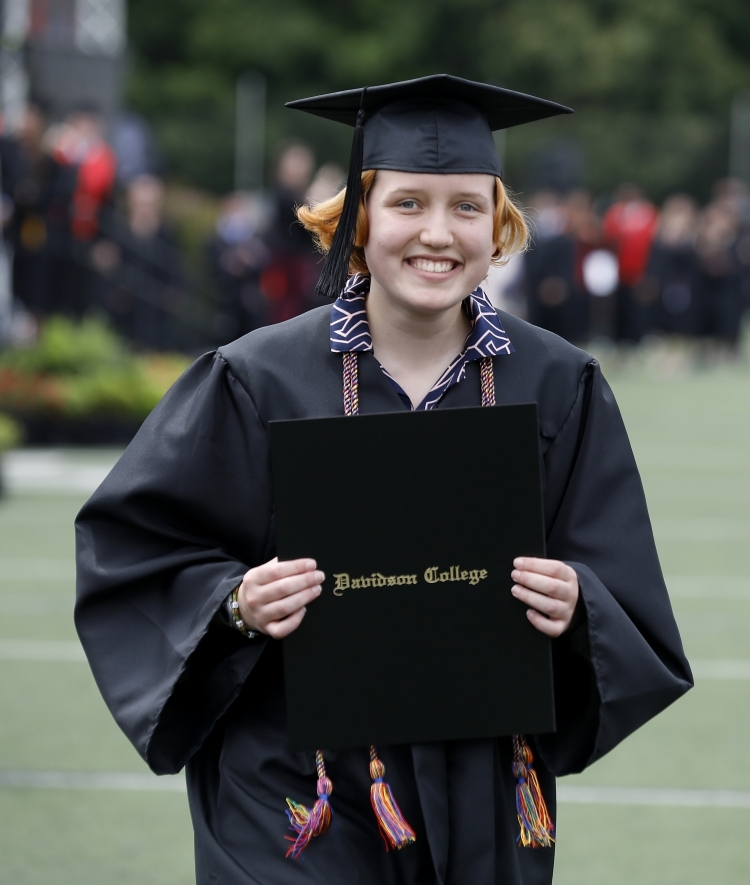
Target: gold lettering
342, 583
477, 575
432, 575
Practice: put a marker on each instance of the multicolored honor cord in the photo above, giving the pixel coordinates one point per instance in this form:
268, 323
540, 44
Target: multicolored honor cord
309, 823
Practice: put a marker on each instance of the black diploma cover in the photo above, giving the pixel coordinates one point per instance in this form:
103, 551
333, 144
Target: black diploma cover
415, 518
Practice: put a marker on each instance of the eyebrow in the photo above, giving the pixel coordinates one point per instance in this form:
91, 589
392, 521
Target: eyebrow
462, 195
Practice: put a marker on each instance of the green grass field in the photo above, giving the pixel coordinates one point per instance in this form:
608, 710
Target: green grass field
691, 435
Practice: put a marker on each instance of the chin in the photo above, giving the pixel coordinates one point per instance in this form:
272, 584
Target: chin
429, 297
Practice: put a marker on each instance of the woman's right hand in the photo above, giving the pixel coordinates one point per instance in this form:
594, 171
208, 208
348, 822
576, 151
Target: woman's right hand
273, 596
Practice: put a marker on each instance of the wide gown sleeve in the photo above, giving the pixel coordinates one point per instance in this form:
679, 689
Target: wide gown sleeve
160, 545
624, 663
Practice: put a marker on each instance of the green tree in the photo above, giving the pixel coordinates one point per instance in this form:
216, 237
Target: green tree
651, 82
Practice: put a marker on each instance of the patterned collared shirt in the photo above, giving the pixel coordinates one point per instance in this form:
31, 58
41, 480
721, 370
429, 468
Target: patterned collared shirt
350, 330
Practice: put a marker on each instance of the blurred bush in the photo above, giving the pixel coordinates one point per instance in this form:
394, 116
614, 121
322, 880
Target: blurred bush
11, 433
191, 214
83, 370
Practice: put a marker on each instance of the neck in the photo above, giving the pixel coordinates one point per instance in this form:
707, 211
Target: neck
415, 347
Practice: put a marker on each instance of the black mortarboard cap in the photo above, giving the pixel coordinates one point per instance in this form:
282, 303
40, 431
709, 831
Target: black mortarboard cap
439, 124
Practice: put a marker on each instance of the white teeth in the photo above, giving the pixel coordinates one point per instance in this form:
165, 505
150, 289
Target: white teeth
432, 266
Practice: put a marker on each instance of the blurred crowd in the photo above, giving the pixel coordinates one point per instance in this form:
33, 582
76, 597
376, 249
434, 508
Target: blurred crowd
83, 226
263, 262
84, 230
624, 269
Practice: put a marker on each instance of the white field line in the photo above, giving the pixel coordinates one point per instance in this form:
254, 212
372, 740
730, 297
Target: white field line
717, 669
653, 796
90, 780
53, 472
125, 781
43, 603
14, 569
65, 650
54, 651
708, 586
713, 529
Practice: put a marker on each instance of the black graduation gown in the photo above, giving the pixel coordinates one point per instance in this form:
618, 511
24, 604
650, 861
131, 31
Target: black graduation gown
188, 509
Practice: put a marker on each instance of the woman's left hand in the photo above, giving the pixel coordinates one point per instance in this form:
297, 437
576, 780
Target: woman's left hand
551, 590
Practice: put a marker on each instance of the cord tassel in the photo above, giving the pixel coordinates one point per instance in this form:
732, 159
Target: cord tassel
394, 830
536, 827
308, 823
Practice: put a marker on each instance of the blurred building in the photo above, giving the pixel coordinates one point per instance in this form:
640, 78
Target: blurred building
61, 54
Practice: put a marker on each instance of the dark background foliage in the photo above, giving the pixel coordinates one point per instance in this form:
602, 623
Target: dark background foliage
651, 80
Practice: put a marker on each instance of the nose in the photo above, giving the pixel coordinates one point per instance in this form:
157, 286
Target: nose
436, 232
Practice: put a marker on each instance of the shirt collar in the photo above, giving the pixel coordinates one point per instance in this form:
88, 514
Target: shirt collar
351, 331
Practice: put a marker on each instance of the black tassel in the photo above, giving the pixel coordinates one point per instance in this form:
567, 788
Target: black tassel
336, 267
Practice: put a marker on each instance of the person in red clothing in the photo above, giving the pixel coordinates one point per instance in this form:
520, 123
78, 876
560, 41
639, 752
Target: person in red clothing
82, 144
630, 224
79, 143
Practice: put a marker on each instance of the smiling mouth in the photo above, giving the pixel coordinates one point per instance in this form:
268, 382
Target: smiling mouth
425, 264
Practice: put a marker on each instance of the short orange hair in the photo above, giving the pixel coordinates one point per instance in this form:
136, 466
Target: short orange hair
510, 232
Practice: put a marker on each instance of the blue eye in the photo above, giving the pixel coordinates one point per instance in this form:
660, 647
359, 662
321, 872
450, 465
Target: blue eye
465, 207
408, 204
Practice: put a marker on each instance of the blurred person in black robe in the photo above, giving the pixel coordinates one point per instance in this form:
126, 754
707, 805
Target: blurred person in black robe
184, 526
673, 265
566, 231
548, 266
288, 282
734, 195
11, 171
40, 191
142, 279
238, 254
718, 276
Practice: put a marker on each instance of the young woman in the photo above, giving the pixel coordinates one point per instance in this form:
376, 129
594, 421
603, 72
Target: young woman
182, 601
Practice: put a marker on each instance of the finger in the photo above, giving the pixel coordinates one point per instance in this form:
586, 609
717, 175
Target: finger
283, 608
275, 570
262, 594
552, 567
545, 625
280, 629
544, 584
552, 608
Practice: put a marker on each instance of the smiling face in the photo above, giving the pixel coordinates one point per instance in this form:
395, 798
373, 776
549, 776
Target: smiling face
430, 238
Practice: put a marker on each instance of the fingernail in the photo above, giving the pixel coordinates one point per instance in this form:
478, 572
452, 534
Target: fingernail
311, 564
318, 589
518, 562
320, 577
515, 574
515, 589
